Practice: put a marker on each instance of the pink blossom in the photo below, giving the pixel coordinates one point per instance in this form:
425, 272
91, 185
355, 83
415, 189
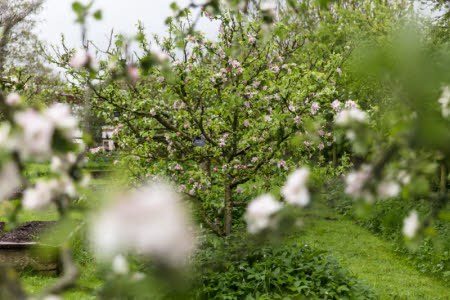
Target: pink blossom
178, 167
336, 105
315, 108
350, 104
234, 63
133, 73
222, 142
80, 59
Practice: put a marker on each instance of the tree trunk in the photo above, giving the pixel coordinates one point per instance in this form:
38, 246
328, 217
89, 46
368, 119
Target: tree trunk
334, 155
443, 181
228, 207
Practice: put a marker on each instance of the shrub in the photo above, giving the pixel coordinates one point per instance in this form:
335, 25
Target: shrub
299, 271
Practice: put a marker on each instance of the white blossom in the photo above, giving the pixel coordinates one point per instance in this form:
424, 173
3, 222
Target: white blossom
388, 189
348, 116
444, 100
13, 99
37, 133
268, 6
259, 212
61, 117
41, 195
149, 221
9, 180
295, 190
411, 224
46, 191
355, 182
120, 265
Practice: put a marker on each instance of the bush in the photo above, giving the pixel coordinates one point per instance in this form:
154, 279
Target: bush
299, 271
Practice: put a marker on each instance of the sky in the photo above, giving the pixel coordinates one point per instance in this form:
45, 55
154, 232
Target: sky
57, 18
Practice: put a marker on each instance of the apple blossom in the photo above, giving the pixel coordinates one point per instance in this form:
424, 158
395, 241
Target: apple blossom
149, 221
350, 104
37, 133
411, 224
120, 265
355, 182
10, 180
336, 105
444, 100
348, 116
259, 212
315, 108
80, 59
13, 99
295, 190
61, 116
388, 189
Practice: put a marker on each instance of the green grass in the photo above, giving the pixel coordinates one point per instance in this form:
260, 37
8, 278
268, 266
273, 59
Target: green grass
35, 283
369, 258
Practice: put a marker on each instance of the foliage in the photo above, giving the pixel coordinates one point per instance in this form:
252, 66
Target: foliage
227, 271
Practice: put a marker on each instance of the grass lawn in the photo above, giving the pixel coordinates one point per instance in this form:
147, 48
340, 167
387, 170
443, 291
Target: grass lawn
368, 257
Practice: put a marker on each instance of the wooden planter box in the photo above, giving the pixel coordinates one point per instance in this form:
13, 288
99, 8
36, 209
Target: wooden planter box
32, 255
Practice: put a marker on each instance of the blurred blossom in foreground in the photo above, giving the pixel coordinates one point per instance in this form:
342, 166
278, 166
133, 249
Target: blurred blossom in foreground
13, 99
259, 213
120, 265
80, 59
9, 180
388, 189
45, 192
38, 128
149, 221
348, 116
444, 100
37, 132
295, 190
355, 182
411, 224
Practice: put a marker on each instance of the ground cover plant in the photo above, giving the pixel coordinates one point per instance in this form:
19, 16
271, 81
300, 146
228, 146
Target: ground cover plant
229, 152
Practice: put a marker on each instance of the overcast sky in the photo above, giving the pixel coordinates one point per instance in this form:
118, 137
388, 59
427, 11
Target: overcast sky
122, 15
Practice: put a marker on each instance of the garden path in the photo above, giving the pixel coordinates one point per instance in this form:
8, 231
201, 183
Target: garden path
368, 257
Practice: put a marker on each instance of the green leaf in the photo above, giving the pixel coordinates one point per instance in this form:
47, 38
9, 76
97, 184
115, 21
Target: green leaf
78, 8
98, 15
